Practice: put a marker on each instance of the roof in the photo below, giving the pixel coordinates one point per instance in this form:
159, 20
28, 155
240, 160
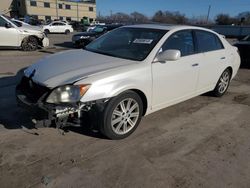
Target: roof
164, 26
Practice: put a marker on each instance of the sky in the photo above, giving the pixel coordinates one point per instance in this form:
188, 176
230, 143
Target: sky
188, 7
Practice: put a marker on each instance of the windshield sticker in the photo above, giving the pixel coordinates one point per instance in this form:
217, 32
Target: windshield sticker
143, 41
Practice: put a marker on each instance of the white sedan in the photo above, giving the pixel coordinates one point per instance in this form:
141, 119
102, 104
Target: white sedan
27, 38
128, 73
58, 27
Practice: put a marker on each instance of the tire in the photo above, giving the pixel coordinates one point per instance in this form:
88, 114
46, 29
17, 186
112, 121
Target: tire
122, 115
222, 84
67, 32
46, 31
29, 44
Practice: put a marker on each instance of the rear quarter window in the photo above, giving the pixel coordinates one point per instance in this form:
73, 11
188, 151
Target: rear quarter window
207, 41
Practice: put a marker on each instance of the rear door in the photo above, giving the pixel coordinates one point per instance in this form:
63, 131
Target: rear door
215, 58
61, 27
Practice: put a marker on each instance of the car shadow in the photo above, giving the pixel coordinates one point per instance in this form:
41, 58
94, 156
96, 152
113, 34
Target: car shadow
68, 45
14, 117
11, 116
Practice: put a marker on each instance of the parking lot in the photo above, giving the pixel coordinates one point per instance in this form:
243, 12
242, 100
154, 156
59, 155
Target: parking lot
203, 142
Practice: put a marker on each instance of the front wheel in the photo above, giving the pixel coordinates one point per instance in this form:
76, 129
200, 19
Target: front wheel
46, 31
122, 115
29, 44
222, 84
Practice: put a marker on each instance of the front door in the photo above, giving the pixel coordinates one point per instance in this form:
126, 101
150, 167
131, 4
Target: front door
174, 81
8, 36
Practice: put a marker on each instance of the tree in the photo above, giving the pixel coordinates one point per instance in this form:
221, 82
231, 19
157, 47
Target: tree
244, 18
137, 17
169, 17
225, 19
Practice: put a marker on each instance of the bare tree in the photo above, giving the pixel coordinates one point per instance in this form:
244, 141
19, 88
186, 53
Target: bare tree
137, 17
169, 17
225, 19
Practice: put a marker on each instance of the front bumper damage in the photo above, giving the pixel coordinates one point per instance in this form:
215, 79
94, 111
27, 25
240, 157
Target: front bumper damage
45, 42
32, 97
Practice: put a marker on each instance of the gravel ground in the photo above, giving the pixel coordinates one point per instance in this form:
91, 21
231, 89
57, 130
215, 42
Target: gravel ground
203, 142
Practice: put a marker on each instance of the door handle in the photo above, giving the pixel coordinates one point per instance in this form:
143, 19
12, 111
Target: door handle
195, 65
223, 58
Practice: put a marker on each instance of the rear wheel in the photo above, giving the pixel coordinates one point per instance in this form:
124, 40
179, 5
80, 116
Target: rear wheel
122, 115
67, 32
222, 84
29, 44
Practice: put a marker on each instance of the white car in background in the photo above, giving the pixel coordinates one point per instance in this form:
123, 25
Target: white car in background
27, 38
58, 27
128, 73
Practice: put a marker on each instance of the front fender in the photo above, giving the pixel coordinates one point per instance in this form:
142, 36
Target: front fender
110, 90
111, 85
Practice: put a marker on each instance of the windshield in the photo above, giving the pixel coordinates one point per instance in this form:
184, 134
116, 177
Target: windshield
98, 29
247, 38
11, 21
127, 43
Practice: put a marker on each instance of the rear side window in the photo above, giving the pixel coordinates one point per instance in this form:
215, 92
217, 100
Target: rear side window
207, 42
182, 40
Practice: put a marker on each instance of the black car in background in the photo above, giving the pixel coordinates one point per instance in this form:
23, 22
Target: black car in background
244, 49
84, 38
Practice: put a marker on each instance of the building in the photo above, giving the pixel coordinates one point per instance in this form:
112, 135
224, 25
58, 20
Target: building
54, 9
7, 7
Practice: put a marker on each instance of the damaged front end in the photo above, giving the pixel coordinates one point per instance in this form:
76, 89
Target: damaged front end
54, 106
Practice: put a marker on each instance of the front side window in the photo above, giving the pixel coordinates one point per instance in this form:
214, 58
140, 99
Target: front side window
61, 24
207, 41
127, 43
2, 22
182, 40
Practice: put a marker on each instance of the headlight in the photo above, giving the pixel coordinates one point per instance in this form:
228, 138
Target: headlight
84, 37
67, 94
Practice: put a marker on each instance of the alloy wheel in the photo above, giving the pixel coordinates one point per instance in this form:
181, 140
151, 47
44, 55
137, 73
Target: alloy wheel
224, 82
125, 116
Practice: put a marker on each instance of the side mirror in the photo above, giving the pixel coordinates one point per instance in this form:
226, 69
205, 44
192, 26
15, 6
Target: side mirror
168, 55
8, 25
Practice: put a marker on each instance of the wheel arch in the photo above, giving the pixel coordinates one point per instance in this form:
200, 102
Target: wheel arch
230, 69
37, 38
143, 98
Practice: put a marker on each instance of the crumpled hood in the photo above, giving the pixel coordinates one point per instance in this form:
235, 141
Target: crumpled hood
30, 29
70, 66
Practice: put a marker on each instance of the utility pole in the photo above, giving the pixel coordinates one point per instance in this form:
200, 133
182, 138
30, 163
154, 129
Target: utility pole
208, 13
77, 11
57, 9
